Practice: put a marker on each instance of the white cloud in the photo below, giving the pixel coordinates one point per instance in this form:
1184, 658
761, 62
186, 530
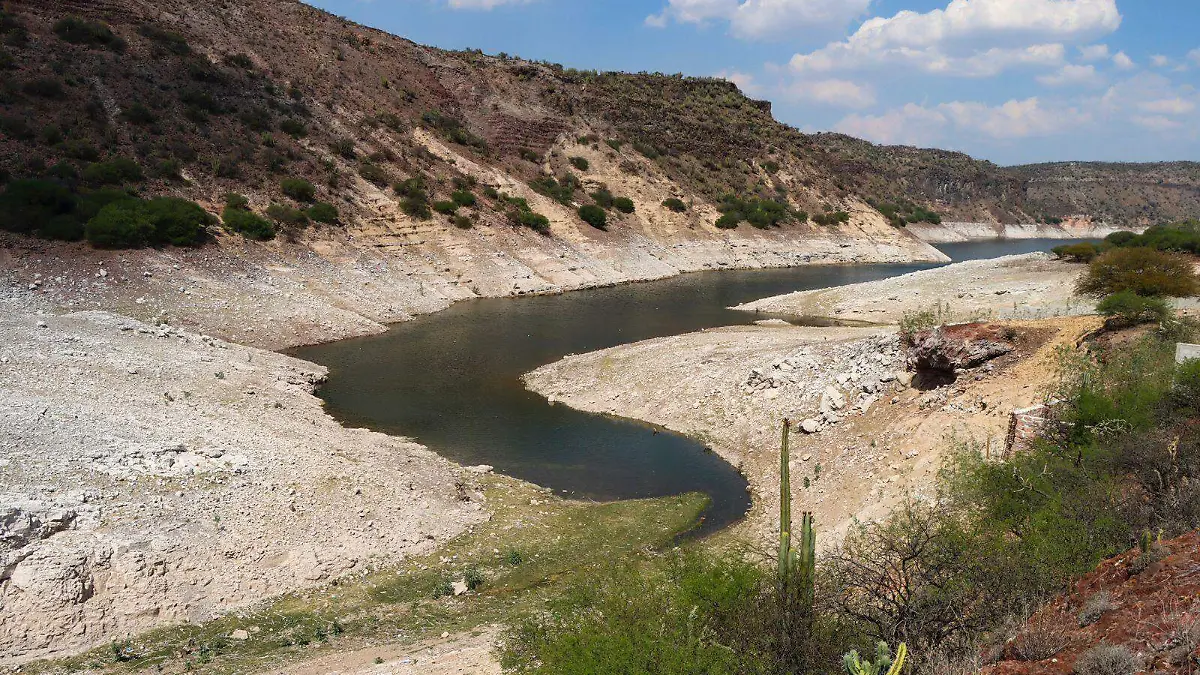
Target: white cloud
745, 81
1194, 56
1160, 61
750, 19
484, 4
920, 125
1122, 61
1168, 106
831, 92
970, 37
1156, 122
1072, 75
1093, 52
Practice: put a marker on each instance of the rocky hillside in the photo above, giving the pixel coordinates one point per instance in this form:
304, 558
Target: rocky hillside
1136, 613
347, 177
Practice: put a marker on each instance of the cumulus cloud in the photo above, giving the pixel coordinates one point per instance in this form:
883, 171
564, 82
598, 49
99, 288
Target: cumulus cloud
1160, 61
1093, 52
970, 37
1156, 122
750, 19
1168, 106
745, 81
1194, 56
1072, 75
831, 92
1122, 61
922, 125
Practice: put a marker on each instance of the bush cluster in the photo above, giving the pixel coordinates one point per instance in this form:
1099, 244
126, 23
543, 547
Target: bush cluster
298, 189
237, 217
133, 223
561, 190
520, 213
1143, 271
831, 218
414, 199
761, 213
580, 163
903, 212
1081, 252
81, 31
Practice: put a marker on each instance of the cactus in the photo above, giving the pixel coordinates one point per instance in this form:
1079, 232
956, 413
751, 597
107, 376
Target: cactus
1146, 541
884, 663
795, 561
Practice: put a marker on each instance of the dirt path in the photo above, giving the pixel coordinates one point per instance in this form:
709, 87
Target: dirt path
466, 654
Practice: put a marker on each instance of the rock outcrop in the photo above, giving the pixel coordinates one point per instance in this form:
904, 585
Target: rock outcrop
949, 349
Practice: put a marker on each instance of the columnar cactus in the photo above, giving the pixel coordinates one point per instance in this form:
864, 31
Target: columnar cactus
800, 561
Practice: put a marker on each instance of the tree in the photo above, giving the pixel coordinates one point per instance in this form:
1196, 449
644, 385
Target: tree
1143, 271
122, 224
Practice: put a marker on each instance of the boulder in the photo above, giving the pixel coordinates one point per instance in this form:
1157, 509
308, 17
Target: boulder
832, 399
949, 349
810, 426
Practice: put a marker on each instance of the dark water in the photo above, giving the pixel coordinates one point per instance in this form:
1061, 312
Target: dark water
451, 380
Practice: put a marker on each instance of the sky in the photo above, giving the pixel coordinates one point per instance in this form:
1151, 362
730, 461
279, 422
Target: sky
1011, 81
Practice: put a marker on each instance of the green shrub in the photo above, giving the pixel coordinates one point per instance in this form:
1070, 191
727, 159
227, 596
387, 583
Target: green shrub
646, 150
234, 200
286, 215
16, 127
257, 119
169, 40
415, 198
293, 127
169, 169
464, 198
529, 155
139, 114
178, 222
830, 219
200, 102
623, 204
298, 189
122, 224
30, 204
44, 87
491, 192
463, 222
527, 218
614, 144
1122, 238
63, 171
373, 173
343, 147
1144, 271
247, 224
445, 207
603, 198
1082, 252
770, 166
80, 31
452, 129
1106, 659
580, 163
729, 221
323, 212
63, 228
79, 149
674, 204
593, 215
561, 191
1127, 308
761, 213
473, 578
115, 171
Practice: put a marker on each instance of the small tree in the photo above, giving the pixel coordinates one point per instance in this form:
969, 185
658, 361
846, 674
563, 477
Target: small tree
122, 224
674, 204
1143, 271
623, 204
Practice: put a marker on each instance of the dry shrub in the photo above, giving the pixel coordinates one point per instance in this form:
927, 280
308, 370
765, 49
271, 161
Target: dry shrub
1106, 660
1040, 640
1095, 607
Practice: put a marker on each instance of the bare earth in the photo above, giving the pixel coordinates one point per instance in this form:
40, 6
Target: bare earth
151, 475
1028, 286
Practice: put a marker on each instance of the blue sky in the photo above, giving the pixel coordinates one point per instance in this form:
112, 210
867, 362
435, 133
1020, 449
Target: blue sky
1012, 81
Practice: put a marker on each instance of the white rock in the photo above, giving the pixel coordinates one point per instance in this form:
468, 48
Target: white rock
239, 634
810, 426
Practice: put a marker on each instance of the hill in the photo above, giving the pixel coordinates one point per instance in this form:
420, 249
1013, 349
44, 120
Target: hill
396, 178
